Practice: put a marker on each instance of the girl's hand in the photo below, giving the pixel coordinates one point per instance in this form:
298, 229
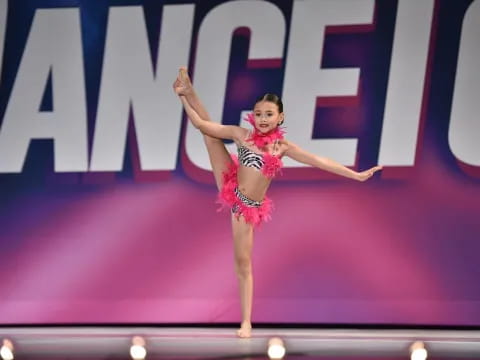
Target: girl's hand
182, 85
367, 174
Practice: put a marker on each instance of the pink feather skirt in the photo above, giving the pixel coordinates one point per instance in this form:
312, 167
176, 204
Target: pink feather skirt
230, 197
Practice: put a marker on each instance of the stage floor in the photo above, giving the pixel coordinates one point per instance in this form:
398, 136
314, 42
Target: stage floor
211, 343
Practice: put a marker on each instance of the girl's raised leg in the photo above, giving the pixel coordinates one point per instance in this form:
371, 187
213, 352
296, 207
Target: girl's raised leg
219, 158
217, 152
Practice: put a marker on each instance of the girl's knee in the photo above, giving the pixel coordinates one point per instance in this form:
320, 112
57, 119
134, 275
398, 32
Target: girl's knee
243, 266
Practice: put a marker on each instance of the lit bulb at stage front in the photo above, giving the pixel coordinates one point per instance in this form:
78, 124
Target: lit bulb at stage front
276, 348
137, 350
418, 351
6, 351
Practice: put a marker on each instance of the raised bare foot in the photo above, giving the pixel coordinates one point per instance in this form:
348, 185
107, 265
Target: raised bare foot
245, 330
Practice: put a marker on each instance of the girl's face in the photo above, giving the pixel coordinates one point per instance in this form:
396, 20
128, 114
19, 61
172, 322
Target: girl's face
267, 116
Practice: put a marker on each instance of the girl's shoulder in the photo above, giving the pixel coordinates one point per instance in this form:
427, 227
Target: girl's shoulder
280, 147
283, 143
244, 132
242, 135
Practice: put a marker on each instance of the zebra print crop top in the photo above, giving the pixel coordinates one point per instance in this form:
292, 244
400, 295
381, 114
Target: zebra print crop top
249, 158
268, 164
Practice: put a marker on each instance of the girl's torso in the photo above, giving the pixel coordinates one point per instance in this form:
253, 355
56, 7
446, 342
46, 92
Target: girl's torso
252, 181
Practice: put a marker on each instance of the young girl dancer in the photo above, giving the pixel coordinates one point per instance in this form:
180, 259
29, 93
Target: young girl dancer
243, 183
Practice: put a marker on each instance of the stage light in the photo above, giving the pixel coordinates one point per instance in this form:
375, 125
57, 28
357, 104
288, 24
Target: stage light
418, 351
137, 350
276, 348
6, 351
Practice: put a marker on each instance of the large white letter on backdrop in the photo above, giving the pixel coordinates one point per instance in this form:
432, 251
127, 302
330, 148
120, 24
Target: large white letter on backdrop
406, 82
53, 46
464, 132
305, 80
129, 81
267, 26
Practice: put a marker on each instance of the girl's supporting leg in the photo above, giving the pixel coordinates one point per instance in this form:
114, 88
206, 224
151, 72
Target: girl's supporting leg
243, 243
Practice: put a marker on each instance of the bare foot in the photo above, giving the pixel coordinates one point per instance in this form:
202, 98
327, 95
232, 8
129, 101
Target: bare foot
245, 330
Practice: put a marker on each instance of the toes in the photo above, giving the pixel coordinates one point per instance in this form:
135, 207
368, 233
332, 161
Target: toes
244, 333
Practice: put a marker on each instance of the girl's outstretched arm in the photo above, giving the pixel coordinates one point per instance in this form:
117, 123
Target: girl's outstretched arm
296, 153
211, 128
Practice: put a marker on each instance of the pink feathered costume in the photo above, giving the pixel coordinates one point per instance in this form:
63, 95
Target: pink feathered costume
254, 212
